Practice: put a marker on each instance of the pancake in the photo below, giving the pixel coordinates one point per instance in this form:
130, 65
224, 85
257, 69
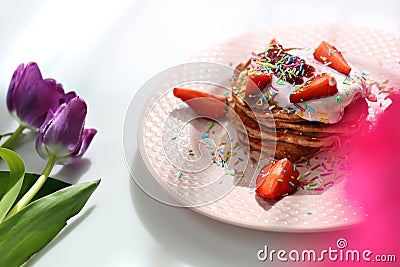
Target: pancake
257, 131
296, 131
276, 113
279, 150
278, 117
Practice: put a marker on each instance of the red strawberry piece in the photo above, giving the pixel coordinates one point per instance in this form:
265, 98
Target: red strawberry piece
328, 54
203, 103
262, 174
319, 86
256, 82
273, 42
277, 179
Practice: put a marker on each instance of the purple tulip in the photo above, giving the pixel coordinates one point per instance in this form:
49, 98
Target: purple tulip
30, 97
62, 135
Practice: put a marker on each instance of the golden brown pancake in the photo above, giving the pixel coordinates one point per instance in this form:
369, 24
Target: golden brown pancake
294, 153
282, 133
349, 124
311, 139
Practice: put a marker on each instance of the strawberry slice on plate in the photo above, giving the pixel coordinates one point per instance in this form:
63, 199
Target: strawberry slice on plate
277, 179
256, 82
328, 54
205, 104
319, 86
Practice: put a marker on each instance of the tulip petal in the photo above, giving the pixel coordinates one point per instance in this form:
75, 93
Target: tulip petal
30, 74
12, 88
27, 77
62, 134
68, 96
38, 99
65, 97
40, 147
87, 137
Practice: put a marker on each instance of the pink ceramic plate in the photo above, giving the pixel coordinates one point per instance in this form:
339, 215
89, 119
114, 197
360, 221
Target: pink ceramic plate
166, 147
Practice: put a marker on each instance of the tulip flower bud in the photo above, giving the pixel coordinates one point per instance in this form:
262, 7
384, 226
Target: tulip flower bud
30, 97
62, 134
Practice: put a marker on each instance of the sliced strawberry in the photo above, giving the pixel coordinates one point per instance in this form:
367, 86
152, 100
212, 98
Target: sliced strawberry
203, 103
328, 54
263, 173
257, 82
187, 94
319, 86
277, 179
273, 42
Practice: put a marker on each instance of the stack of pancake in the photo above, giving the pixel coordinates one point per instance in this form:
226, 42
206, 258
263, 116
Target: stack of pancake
281, 133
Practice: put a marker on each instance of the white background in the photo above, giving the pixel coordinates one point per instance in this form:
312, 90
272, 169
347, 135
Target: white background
105, 50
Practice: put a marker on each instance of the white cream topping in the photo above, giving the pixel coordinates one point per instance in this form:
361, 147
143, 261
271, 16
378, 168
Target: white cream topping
326, 109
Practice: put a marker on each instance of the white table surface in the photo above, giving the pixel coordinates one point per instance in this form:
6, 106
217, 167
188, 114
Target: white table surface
105, 50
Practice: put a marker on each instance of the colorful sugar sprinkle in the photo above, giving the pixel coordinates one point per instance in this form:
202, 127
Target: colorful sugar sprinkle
318, 189
346, 83
323, 165
311, 109
210, 126
365, 73
315, 167
299, 107
329, 183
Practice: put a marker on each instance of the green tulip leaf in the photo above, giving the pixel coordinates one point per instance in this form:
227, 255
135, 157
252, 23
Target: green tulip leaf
50, 186
32, 228
16, 177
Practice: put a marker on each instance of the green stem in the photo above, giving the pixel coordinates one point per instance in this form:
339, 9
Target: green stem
11, 140
34, 189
